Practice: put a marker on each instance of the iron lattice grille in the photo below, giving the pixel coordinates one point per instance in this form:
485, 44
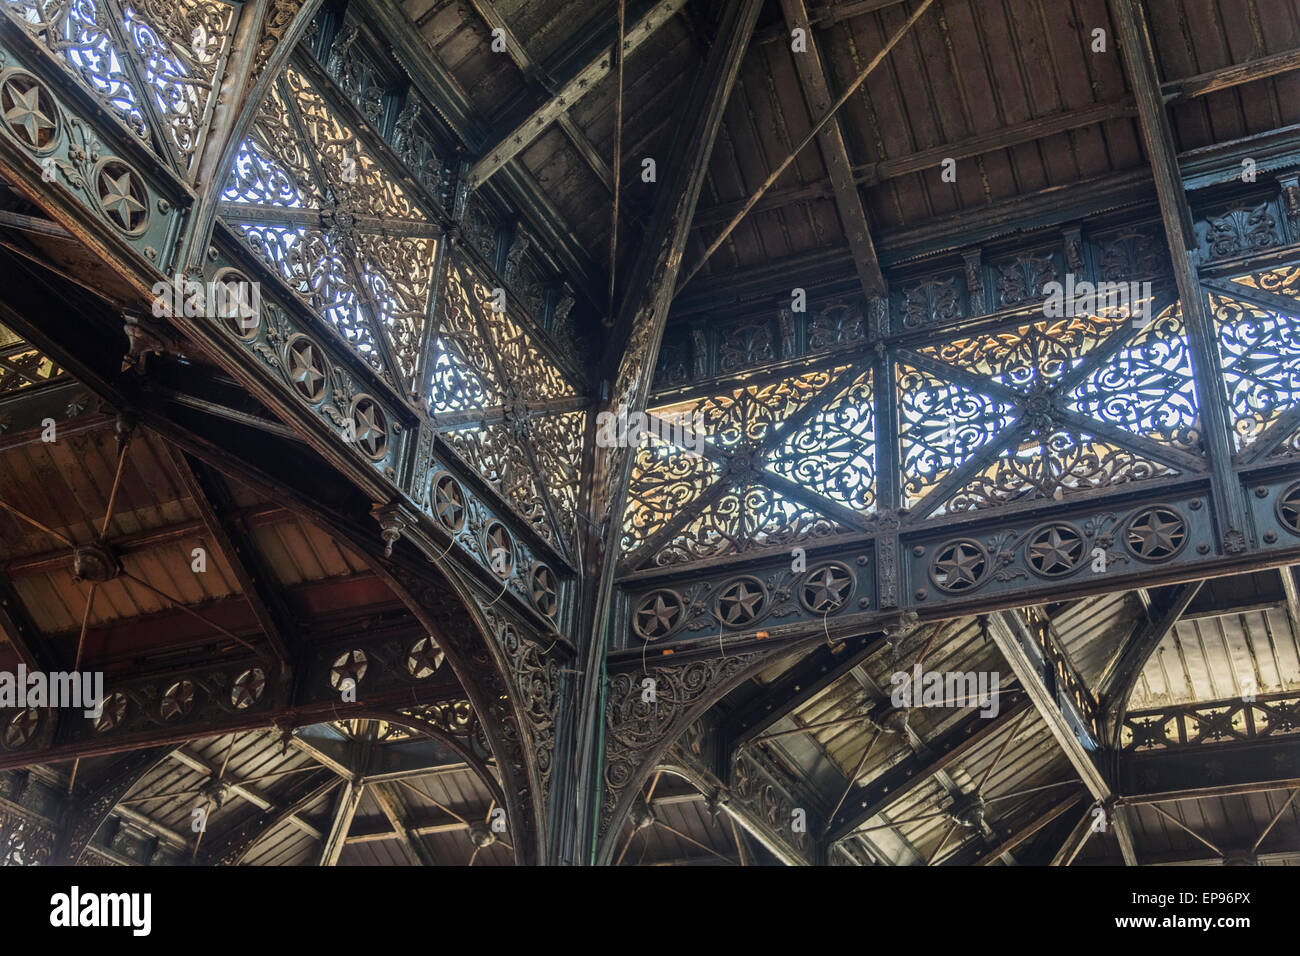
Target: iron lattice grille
1260, 349
311, 200
1046, 409
155, 64
1034, 410
503, 406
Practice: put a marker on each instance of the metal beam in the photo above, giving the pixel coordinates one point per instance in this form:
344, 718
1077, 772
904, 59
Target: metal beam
233, 846
534, 72
835, 155
1023, 832
417, 854
1010, 633
582, 83
1157, 138
1076, 839
257, 799
345, 809
912, 772
629, 358
1122, 673
1209, 770
824, 121
216, 509
812, 675
18, 628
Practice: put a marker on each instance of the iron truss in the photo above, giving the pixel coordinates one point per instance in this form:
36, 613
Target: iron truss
943, 449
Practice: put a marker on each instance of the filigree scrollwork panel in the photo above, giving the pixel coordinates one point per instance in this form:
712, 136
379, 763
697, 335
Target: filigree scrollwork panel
834, 453
495, 452
1019, 357
746, 415
1146, 386
182, 46
282, 338
746, 519
352, 174
321, 273
640, 726
942, 426
665, 480
557, 443
1260, 354
273, 166
1053, 464
398, 273
81, 35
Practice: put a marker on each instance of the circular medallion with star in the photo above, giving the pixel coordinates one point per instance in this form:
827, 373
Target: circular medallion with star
111, 714
237, 304
827, 588
247, 688
370, 427
1288, 508
741, 601
1156, 534
499, 546
657, 614
544, 590
29, 111
304, 363
122, 195
177, 700
959, 565
424, 658
1055, 550
352, 666
448, 502
21, 728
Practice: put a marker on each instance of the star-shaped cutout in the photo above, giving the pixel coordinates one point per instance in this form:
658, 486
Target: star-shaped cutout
1054, 552
177, 700
116, 198
113, 711
248, 688
425, 658
961, 567
350, 666
659, 618
26, 113
1290, 508
825, 590
236, 307
739, 603
22, 727
544, 591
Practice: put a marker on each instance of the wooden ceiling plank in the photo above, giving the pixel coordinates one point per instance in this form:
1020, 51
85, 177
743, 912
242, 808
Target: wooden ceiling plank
571, 92
825, 120
1212, 81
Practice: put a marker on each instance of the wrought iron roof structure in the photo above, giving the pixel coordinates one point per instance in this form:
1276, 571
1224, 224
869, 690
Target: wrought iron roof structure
651, 431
